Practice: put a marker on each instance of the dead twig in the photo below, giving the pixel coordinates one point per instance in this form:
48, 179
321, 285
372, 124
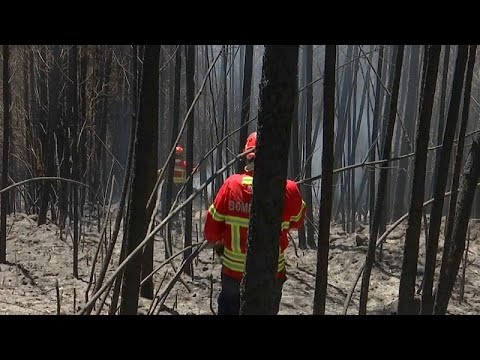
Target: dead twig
172, 282
59, 302
153, 304
102, 237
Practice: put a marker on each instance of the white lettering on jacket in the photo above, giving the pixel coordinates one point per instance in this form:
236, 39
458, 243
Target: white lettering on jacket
239, 206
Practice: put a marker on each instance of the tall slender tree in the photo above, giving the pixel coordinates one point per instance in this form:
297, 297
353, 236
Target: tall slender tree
410, 253
277, 94
376, 114
457, 247
5, 153
410, 107
173, 135
441, 180
73, 113
245, 108
382, 182
190, 76
143, 179
325, 212
459, 153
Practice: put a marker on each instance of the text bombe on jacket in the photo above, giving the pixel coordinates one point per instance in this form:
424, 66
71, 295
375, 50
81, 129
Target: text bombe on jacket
239, 206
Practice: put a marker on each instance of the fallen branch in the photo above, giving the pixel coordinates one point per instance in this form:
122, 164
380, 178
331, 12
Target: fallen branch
154, 303
172, 282
168, 261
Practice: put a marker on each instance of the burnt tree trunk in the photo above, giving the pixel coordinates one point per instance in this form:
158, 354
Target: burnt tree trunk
167, 203
308, 150
277, 95
410, 253
459, 153
49, 144
190, 82
295, 153
82, 149
376, 115
325, 212
27, 98
464, 205
143, 180
410, 107
246, 93
5, 153
73, 113
442, 109
441, 181
382, 182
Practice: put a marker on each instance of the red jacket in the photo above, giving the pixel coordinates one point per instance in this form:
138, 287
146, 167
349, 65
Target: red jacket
228, 218
180, 171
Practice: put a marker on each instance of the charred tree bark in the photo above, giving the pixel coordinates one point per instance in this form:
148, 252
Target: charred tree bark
170, 166
277, 94
190, 82
82, 120
247, 91
382, 182
49, 145
225, 103
143, 180
410, 107
457, 247
63, 131
441, 181
295, 149
27, 99
442, 109
410, 253
308, 149
376, 115
325, 212
5, 153
459, 153
73, 113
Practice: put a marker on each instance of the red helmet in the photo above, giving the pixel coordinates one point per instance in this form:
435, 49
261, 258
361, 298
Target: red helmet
179, 150
251, 144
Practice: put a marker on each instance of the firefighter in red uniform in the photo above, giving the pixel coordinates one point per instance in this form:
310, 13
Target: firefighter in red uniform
226, 230
180, 168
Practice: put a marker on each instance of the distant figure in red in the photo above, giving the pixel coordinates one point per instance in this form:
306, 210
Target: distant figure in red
180, 169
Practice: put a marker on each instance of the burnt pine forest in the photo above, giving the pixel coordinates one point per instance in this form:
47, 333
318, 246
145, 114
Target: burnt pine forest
383, 142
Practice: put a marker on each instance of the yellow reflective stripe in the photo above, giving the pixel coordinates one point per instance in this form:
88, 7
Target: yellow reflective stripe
240, 267
236, 238
215, 214
233, 265
285, 225
236, 261
240, 257
299, 215
236, 221
247, 180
